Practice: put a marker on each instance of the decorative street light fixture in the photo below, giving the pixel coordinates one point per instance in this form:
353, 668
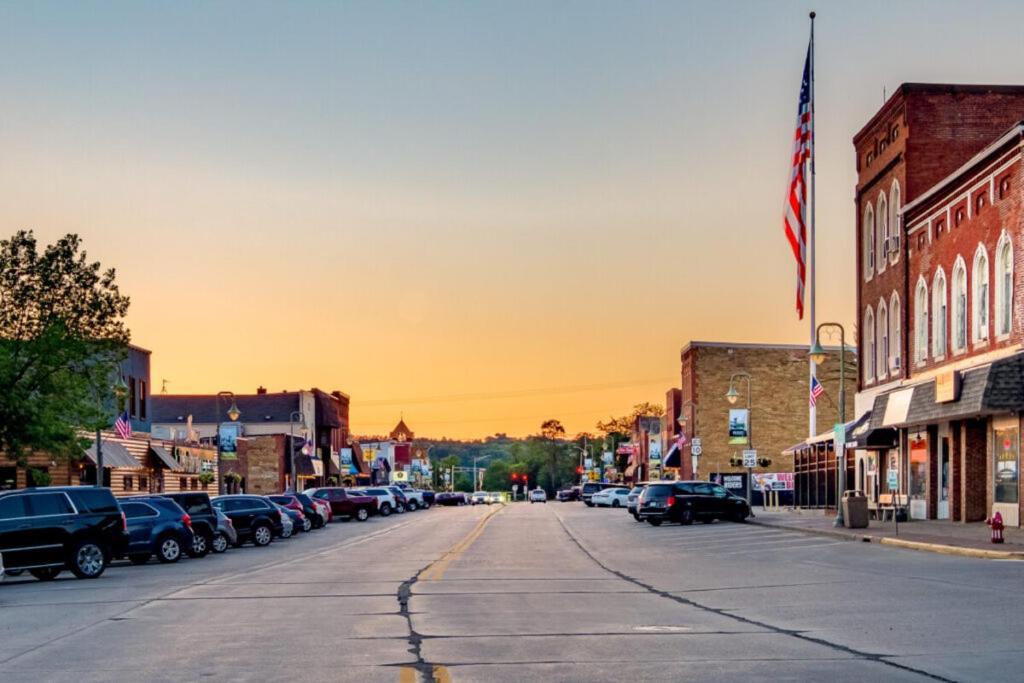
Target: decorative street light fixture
694, 457
233, 414
817, 354
732, 396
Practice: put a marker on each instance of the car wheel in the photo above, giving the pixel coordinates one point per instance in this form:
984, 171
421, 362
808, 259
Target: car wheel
707, 520
219, 543
200, 545
654, 522
286, 532
319, 522
615, 503
262, 535
168, 549
46, 573
88, 559
588, 503
362, 514
385, 509
400, 509
426, 505
739, 517
686, 517
139, 558
412, 506
307, 524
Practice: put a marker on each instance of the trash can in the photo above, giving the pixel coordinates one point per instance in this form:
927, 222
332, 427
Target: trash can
855, 510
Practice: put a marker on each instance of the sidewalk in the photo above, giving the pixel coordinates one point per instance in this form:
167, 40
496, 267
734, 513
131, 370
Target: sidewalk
952, 538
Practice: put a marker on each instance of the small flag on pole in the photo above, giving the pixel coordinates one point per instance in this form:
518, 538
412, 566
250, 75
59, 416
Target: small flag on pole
796, 197
816, 390
123, 426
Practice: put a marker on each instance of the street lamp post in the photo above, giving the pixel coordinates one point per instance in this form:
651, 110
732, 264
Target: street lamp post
477, 458
295, 416
233, 413
732, 395
120, 390
693, 432
817, 355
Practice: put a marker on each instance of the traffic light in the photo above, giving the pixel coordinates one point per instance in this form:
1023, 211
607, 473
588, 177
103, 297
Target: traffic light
515, 476
579, 470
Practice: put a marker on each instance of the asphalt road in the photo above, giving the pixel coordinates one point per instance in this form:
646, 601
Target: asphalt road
554, 592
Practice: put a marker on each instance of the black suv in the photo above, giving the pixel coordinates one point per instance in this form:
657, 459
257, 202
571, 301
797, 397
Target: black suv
47, 530
686, 501
204, 521
255, 518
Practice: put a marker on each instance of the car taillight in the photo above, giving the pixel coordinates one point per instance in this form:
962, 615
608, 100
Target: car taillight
671, 501
186, 520
124, 523
230, 523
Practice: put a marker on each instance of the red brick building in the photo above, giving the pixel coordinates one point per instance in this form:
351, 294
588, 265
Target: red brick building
938, 201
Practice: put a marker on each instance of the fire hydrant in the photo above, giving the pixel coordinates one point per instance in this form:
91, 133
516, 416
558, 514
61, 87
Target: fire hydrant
996, 524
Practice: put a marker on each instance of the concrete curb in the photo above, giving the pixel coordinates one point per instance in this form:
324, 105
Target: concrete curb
900, 543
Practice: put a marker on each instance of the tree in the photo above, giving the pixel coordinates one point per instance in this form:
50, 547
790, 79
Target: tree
551, 431
624, 425
62, 334
497, 476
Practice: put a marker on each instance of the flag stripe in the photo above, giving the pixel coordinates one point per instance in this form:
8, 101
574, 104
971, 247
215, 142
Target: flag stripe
795, 219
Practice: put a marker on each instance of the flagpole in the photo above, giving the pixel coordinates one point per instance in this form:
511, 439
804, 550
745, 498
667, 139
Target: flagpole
812, 421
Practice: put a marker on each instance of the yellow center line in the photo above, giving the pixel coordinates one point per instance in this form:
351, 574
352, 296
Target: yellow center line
436, 571
441, 674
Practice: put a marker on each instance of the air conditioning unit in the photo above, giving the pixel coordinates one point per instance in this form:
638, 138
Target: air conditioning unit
896, 363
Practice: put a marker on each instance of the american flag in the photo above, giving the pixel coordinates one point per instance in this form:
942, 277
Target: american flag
796, 198
816, 390
123, 425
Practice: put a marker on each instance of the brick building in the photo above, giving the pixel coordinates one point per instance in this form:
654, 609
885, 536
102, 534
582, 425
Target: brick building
779, 402
938, 212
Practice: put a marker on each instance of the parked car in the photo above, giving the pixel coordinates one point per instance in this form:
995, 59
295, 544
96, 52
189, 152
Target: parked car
349, 503
589, 488
225, 535
319, 512
413, 497
538, 496
291, 520
567, 495
687, 501
386, 501
255, 518
204, 521
611, 497
450, 498
401, 502
428, 498
325, 509
480, 498
633, 501
156, 525
295, 509
49, 529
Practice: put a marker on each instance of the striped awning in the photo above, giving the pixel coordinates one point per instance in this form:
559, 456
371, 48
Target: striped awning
114, 456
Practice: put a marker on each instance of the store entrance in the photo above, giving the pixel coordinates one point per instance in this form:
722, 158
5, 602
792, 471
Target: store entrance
942, 509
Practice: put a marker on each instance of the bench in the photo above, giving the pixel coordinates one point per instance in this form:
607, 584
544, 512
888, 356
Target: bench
895, 503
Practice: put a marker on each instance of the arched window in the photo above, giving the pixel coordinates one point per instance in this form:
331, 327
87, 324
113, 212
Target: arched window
1004, 285
895, 230
869, 241
959, 332
921, 321
868, 352
882, 350
882, 218
895, 335
979, 295
939, 315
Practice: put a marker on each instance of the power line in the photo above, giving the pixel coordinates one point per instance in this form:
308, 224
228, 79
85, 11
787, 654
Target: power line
514, 393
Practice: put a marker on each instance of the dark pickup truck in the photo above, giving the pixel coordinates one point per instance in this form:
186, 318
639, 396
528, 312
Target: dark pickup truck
345, 503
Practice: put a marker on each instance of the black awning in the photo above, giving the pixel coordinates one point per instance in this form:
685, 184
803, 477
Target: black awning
164, 458
114, 455
304, 466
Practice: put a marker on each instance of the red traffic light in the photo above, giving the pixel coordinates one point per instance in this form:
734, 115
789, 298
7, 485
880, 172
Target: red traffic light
579, 470
515, 477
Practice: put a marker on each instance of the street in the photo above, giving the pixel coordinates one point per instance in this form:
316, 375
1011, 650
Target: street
525, 592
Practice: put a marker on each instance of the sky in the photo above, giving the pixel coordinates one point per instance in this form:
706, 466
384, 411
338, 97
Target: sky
477, 215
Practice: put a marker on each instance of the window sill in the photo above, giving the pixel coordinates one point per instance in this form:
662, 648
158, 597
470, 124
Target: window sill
1002, 337
979, 344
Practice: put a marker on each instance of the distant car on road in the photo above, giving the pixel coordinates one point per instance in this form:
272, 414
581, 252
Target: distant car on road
538, 496
450, 498
568, 495
480, 498
588, 490
687, 501
611, 498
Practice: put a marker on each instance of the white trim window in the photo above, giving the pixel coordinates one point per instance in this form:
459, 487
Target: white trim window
959, 332
882, 360
869, 241
869, 346
921, 321
895, 230
979, 296
939, 315
882, 218
895, 335
1004, 286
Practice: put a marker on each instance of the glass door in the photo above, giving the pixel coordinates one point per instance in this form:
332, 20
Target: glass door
942, 509
1005, 467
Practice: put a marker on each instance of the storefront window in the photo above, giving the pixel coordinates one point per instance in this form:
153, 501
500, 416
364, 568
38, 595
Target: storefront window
918, 467
1007, 450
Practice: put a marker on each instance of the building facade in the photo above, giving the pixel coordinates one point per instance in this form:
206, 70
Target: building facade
938, 220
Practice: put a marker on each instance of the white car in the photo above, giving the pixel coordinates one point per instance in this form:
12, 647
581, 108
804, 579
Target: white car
287, 526
493, 497
538, 496
480, 497
617, 497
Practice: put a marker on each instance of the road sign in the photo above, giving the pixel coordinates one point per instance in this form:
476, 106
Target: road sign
695, 442
750, 458
695, 448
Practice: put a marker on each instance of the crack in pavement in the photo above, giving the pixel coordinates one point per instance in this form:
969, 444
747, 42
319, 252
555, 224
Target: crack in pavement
870, 656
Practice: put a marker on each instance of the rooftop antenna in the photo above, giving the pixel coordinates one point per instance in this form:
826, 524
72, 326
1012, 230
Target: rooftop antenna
163, 386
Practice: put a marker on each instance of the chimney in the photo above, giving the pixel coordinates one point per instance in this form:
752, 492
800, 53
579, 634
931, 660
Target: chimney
261, 390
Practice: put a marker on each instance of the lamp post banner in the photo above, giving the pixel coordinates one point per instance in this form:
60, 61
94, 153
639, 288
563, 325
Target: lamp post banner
739, 425
227, 437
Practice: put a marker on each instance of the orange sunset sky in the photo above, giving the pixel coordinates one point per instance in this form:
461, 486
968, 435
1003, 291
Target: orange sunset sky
531, 206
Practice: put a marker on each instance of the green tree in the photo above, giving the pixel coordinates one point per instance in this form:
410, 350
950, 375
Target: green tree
464, 483
62, 333
497, 476
623, 425
552, 431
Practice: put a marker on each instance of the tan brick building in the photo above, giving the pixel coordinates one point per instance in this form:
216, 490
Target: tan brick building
779, 400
